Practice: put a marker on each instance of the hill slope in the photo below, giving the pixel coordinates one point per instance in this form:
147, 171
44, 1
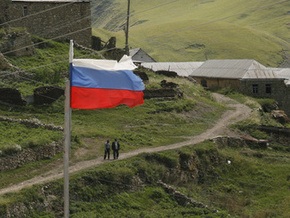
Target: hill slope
198, 30
209, 179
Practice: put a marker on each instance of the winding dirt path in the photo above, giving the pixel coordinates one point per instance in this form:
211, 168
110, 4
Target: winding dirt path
236, 113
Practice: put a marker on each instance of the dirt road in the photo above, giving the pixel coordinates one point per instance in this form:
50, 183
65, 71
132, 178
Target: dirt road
236, 113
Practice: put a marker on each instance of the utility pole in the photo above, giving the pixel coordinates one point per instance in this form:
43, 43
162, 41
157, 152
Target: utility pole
127, 30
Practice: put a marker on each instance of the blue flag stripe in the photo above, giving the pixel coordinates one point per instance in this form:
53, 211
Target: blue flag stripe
106, 79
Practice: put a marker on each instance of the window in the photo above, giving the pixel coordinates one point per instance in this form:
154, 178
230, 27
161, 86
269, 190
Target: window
255, 88
203, 83
25, 10
268, 88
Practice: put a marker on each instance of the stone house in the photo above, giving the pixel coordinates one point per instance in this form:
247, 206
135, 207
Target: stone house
53, 19
246, 76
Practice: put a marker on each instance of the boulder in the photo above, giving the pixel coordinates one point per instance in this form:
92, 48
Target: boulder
11, 96
280, 116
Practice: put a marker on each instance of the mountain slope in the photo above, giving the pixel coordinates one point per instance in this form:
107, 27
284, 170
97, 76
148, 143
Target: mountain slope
224, 28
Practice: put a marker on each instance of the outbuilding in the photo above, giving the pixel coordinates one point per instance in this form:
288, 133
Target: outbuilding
139, 56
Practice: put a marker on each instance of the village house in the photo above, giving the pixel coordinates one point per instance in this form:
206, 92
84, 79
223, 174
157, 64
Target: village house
52, 19
248, 77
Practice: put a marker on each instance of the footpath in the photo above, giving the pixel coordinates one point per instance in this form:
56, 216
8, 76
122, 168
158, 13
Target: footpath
235, 113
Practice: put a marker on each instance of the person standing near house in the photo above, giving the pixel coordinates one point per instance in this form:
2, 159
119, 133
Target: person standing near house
116, 148
107, 150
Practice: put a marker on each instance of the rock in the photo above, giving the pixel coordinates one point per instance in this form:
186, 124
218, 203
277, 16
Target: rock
11, 96
280, 116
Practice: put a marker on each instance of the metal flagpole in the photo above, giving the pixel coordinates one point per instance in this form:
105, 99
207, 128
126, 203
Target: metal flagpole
67, 135
127, 30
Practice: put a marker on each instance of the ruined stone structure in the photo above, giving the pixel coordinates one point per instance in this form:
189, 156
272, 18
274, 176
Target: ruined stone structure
11, 96
17, 43
53, 19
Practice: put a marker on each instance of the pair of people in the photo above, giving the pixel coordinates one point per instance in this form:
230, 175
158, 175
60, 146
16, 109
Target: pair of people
115, 148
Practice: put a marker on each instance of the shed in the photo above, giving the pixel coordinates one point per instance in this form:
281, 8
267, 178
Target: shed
139, 56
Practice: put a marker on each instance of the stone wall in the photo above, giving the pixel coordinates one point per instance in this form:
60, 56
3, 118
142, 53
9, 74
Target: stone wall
285, 101
54, 20
161, 93
215, 83
279, 91
4, 11
29, 155
17, 43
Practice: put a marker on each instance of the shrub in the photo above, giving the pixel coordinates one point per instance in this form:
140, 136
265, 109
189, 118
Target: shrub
11, 150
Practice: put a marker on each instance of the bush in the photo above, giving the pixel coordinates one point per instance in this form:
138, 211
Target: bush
268, 104
11, 150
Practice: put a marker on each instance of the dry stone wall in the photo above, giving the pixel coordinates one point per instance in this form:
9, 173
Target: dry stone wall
11, 96
30, 155
16, 43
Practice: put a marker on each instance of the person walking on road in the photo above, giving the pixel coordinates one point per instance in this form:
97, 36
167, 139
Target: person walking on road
116, 148
107, 150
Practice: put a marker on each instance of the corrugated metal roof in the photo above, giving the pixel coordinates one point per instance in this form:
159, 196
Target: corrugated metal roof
133, 51
234, 69
181, 68
283, 73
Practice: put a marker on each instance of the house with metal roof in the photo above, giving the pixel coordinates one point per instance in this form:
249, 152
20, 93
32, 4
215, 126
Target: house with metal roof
183, 69
248, 77
230, 73
53, 19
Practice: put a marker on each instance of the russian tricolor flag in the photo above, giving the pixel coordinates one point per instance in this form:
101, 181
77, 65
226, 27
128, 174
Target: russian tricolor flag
97, 84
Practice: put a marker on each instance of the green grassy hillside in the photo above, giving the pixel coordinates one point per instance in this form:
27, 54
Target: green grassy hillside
156, 122
209, 180
172, 30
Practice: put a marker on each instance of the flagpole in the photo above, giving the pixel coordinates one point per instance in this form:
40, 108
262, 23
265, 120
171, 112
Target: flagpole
127, 30
67, 135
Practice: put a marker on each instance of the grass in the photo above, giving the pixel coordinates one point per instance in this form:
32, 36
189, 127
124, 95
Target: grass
156, 122
19, 135
251, 185
226, 29
256, 184
262, 180
29, 171
48, 66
